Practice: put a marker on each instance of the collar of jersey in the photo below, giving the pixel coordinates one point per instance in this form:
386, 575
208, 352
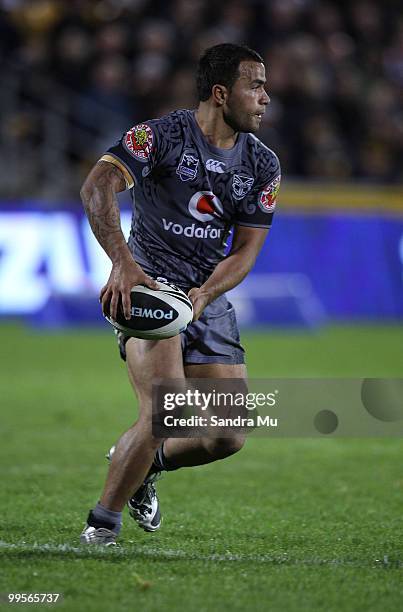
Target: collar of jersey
216, 151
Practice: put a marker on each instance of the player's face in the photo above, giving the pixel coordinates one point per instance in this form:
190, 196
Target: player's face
247, 100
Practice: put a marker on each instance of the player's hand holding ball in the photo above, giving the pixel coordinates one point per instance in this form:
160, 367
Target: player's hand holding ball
156, 310
200, 298
124, 275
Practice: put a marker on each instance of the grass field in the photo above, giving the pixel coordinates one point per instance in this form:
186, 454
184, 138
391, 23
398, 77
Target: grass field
287, 525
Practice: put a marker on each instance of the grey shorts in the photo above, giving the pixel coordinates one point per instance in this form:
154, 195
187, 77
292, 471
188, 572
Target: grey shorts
214, 338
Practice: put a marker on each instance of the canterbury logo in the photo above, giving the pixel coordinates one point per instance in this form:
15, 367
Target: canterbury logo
215, 166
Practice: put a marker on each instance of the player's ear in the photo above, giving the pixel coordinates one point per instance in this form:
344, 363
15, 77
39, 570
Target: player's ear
220, 94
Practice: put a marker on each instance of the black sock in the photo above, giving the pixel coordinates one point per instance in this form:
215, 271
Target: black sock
102, 517
161, 463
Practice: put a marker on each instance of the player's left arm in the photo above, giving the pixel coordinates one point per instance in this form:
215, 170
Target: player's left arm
246, 245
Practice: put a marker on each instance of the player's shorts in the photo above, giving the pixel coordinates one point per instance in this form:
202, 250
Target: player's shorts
213, 338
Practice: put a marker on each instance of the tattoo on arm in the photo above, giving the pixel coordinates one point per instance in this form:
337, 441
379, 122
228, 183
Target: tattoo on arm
99, 200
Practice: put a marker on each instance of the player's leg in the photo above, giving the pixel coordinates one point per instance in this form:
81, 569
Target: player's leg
181, 452
211, 349
134, 452
143, 504
147, 360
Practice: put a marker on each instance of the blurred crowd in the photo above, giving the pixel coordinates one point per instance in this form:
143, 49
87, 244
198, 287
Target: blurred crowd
78, 73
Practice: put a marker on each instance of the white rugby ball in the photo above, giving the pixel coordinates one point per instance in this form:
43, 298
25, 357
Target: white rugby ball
155, 313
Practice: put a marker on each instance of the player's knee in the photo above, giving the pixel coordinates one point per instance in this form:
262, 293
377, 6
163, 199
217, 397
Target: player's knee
219, 448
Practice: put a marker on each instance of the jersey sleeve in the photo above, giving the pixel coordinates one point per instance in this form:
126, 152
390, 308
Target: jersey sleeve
257, 207
137, 153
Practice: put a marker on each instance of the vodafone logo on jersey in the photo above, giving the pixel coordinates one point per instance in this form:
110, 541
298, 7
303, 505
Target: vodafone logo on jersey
204, 206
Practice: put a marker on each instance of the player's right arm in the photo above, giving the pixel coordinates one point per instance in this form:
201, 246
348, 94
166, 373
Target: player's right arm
98, 195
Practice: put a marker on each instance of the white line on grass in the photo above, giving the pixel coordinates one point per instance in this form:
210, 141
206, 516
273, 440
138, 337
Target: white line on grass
166, 553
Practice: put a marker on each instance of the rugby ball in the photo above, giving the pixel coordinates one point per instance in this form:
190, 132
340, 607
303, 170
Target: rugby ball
155, 313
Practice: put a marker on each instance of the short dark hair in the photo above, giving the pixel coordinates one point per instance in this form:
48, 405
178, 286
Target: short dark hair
220, 65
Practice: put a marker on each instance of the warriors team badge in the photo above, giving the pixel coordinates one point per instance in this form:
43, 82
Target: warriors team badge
187, 169
241, 185
267, 197
138, 141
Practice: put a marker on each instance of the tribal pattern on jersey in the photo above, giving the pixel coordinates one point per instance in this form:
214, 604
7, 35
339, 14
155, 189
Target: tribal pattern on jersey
188, 194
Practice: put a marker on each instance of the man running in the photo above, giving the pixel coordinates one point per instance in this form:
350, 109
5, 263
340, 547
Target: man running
195, 177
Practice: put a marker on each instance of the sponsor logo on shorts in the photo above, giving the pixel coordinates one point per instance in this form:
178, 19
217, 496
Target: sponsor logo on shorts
215, 166
149, 313
138, 141
187, 169
204, 206
267, 197
241, 185
192, 231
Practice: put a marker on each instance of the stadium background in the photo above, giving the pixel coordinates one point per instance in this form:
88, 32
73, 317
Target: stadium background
325, 297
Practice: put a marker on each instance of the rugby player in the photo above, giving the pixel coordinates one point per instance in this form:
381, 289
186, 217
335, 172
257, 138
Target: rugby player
195, 176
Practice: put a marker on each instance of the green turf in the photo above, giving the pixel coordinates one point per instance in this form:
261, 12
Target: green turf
284, 525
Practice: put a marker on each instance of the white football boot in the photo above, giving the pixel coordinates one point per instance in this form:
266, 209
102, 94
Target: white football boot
97, 533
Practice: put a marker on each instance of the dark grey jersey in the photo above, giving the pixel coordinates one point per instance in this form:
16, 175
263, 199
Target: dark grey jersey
188, 194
